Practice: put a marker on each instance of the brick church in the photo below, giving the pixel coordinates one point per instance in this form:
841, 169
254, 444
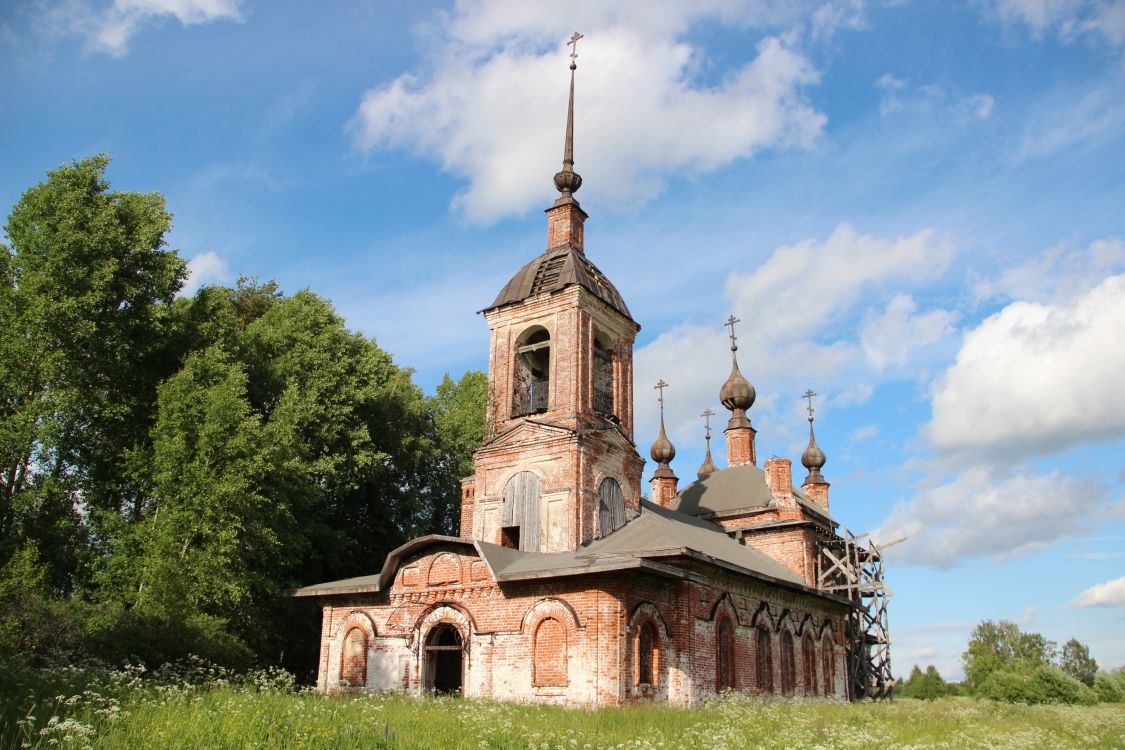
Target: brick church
565, 585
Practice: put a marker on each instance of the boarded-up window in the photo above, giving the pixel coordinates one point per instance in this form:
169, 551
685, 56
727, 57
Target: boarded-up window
521, 509
788, 665
764, 661
611, 506
808, 660
724, 661
827, 666
549, 667
646, 655
353, 660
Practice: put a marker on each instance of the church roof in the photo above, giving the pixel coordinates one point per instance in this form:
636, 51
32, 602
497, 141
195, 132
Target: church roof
644, 543
555, 270
734, 489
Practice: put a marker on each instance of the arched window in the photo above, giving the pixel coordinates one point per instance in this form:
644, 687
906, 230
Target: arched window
724, 658
808, 661
603, 376
827, 665
532, 374
353, 659
519, 516
788, 667
765, 660
647, 656
550, 655
611, 506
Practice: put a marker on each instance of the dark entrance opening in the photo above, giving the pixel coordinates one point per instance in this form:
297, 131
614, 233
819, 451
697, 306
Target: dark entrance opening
444, 664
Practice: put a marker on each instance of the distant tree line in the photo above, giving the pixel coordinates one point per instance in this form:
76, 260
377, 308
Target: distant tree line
1006, 664
170, 466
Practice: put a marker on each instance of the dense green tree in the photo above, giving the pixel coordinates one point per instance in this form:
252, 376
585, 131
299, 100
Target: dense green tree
1075, 661
1002, 645
84, 291
458, 412
928, 685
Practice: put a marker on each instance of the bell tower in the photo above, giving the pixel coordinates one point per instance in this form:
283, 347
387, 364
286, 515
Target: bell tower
558, 467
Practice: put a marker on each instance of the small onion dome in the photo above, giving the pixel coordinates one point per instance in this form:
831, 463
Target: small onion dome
708, 467
662, 451
813, 459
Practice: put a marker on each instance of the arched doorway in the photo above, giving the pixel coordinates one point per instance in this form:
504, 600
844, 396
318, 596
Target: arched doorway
444, 660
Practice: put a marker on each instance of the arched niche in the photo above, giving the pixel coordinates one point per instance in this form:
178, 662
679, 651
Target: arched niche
531, 373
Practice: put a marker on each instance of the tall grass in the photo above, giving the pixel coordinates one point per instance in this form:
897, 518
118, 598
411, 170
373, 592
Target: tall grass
200, 710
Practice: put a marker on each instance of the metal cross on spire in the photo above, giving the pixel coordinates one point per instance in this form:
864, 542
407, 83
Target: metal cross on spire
660, 386
574, 52
733, 338
809, 395
707, 414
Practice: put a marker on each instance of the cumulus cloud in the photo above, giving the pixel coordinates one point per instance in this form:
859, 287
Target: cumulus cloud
110, 29
487, 110
205, 268
892, 337
1108, 594
979, 514
1035, 378
790, 339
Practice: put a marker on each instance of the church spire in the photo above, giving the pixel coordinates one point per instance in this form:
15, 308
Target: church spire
664, 480
708, 467
738, 395
565, 217
815, 486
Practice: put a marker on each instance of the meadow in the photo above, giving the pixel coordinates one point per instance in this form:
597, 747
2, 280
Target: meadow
203, 707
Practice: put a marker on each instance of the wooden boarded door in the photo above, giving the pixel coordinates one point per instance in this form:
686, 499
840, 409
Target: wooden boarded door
521, 509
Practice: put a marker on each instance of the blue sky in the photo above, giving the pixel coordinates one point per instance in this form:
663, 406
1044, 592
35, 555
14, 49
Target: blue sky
916, 209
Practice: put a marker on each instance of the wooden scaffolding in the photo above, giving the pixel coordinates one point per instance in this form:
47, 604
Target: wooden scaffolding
853, 569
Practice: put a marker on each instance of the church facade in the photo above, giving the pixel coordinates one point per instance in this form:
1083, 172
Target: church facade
565, 585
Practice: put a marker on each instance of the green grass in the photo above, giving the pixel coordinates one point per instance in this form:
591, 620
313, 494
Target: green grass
120, 710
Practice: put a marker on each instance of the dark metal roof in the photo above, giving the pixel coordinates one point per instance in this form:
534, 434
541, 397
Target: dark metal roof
555, 270
735, 489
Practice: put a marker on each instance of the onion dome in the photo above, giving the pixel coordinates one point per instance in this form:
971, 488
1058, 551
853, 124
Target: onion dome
662, 450
813, 458
737, 394
708, 467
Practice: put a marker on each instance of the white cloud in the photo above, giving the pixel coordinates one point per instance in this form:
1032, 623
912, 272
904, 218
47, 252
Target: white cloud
492, 109
838, 271
899, 98
1035, 378
978, 514
110, 29
1108, 594
865, 433
893, 337
790, 339
924, 653
205, 268
1060, 274
1070, 119
1100, 20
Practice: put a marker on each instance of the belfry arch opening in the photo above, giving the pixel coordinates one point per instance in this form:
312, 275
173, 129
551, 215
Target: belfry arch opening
444, 660
603, 375
531, 381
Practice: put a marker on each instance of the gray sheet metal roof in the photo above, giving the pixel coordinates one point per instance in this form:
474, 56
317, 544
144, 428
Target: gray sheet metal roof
734, 489
643, 543
555, 270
